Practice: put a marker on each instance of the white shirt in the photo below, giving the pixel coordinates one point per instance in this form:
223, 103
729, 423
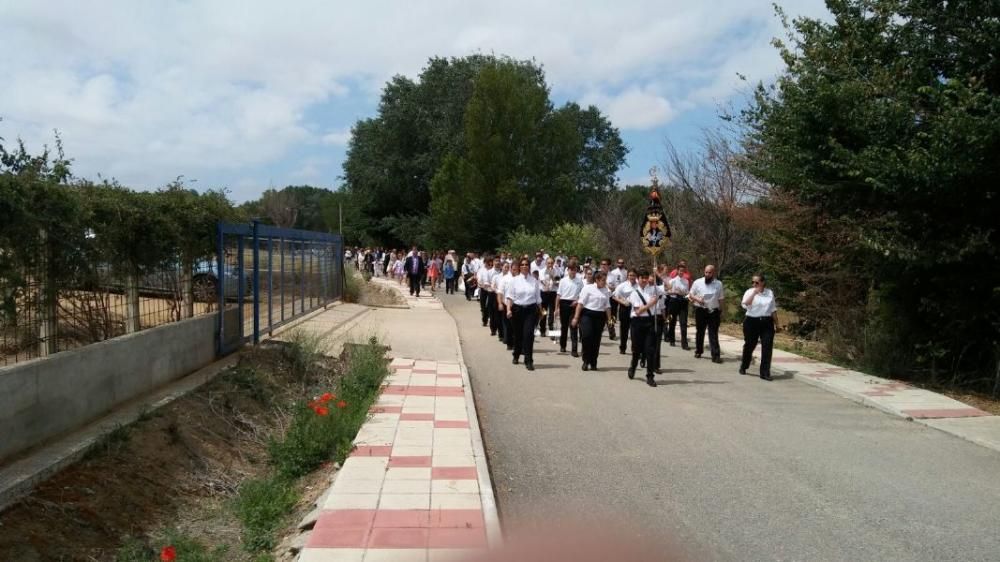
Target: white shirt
623, 290
468, 268
648, 293
539, 267
661, 299
477, 264
569, 289
763, 305
595, 298
524, 291
712, 293
484, 277
547, 278
679, 286
502, 282
616, 276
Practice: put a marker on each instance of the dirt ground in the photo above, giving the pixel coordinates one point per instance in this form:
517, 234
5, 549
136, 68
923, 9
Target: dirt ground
175, 468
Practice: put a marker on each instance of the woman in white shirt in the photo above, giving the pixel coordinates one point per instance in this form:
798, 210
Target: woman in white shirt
592, 309
524, 299
677, 306
620, 295
568, 293
548, 277
760, 323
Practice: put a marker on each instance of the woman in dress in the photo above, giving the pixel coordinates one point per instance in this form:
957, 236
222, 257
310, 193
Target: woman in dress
398, 268
592, 310
760, 324
433, 272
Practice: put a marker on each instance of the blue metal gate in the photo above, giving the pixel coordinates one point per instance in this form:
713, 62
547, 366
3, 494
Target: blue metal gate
269, 276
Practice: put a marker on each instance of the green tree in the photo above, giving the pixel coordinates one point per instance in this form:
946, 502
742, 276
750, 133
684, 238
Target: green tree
887, 118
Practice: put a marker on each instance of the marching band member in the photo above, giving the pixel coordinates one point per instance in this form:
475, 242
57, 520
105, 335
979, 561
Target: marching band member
605, 267
524, 298
568, 293
760, 323
483, 278
495, 314
615, 277
677, 306
503, 328
643, 299
469, 276
707, 295
620, 297
549, 281
592, 310
659, 318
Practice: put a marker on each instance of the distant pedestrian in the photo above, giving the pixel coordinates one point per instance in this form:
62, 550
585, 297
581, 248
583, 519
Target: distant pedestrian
416, 268
450, 277
759, 325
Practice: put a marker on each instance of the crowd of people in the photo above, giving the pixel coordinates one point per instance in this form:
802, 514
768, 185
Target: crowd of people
521, 298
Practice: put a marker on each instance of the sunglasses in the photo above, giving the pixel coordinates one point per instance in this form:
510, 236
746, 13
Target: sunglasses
756, 282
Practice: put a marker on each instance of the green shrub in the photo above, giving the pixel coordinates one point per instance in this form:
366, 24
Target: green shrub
303, 351
353, 286
261, 506
186, 548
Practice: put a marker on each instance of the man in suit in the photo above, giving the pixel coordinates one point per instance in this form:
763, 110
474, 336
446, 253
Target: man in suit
415, 267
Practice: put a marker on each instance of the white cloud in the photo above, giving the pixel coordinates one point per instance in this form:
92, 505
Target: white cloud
635, 108
337, 138
216, 89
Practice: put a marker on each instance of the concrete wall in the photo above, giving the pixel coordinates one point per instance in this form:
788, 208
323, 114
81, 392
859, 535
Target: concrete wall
46, 397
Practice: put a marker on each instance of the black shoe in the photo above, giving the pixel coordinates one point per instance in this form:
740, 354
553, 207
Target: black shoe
685, 347
613, 338
631, 373
593, 366
766, 377
575, 354
672, 344
493, 333
650, 381
743, 371
529, 365
510, 347
586, 367
697, 356
621, 350
514, 361
642, 363
658, 371
562, 350
717, 360
484, 324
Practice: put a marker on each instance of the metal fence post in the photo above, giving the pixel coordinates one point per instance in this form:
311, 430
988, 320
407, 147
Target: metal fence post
187, 289
270, 284
47, 295
220, 288
256, 283
132, 301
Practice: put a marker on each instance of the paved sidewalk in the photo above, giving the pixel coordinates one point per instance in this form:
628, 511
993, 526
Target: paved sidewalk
416, 487
893, 397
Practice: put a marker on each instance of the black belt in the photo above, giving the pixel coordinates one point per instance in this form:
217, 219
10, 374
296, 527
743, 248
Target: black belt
533, 305
589, 312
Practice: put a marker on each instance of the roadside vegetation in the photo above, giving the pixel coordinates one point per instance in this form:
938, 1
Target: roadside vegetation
220, 474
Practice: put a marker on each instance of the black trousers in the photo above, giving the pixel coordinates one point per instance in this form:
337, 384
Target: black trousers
566, 311
495, 314
414, 284
677, 310
643, 341
591, 329
549, 304
523, 320
614, 314
450, 285
483, 297
469, 288
659, 326
761, 329
625, 322
704, 319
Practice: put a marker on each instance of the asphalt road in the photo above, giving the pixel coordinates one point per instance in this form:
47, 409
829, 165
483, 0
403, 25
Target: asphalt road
731, 467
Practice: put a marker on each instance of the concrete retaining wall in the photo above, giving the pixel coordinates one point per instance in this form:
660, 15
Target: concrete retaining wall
44, 398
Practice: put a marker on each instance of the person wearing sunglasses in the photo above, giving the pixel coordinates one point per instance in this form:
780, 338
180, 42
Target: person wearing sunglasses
524, 299
707, 294
759, 325
592, 311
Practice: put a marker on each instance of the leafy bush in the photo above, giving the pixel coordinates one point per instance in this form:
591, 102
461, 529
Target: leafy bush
353, 286
572, 239
303, 351
261, 506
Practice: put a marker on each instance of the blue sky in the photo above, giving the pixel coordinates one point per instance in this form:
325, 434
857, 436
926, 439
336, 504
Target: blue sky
246, 95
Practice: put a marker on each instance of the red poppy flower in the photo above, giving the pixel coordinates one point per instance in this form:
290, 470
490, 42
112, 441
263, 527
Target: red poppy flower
326, 398
341, 404
322, 410
168, 554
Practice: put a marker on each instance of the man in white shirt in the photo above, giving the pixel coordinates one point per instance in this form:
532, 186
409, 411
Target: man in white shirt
707, 295
568, 292
678, 287
495, 315
539, 263
642, 301
615, 277
468, 274
501, 286
620, 298
483, 277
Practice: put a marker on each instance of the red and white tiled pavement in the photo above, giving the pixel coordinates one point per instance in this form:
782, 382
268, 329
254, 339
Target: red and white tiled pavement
416, 487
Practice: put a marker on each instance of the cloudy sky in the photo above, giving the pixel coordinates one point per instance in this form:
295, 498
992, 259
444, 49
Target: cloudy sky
247, 94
